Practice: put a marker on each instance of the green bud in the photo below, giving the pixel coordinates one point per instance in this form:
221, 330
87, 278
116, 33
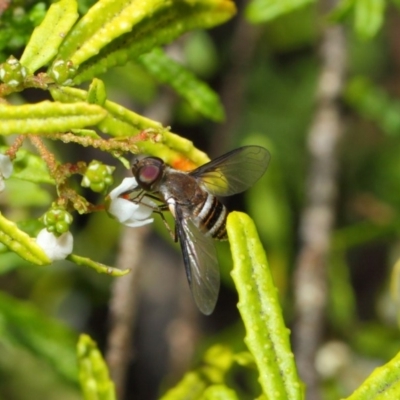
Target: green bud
57, 220
12, 72
62, 72
98, 176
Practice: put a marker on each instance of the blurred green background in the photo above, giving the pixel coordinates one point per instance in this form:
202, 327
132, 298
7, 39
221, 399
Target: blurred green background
267, 77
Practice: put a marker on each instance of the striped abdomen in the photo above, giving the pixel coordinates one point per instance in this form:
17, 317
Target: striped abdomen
211, 215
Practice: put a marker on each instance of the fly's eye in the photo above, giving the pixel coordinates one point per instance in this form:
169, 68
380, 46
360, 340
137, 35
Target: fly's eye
148, 174
148, 171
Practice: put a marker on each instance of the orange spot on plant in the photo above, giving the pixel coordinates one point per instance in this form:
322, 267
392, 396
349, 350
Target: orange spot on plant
183, 164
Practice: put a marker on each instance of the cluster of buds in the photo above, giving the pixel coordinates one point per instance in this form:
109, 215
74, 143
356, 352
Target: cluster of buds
12, 72
55, 239
98, 176
57, 220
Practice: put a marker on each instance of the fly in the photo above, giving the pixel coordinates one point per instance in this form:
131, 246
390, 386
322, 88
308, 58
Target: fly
192, 198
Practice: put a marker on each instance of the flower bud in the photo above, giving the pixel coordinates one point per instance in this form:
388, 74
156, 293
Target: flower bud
98, 176
12, 72
62, 72
57, 220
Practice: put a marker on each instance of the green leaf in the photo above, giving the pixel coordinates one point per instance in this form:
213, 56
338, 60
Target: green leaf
10, 261
134, 28
341, 10
23, 325
17, 26
97, 92
200, 96
383, 383
105, 21
21, 243
48, 117
369, 15
93, 372
374, 103
121, 122
219, 392
191, 387
98, 267
259, 11
396, 3
38, 196
266, 335
47, 37
217, 361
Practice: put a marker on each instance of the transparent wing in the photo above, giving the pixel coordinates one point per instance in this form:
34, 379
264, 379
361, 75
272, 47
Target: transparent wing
201, 263
233, 172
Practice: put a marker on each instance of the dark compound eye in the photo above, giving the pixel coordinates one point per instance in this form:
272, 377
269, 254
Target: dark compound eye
149, 173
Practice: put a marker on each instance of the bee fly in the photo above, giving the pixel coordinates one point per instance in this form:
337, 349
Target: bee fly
191, 197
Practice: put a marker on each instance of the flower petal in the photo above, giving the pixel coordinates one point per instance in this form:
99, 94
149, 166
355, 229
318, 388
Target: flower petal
6, 166
126, 211
137, 223
127, 184
56, 248
122, 209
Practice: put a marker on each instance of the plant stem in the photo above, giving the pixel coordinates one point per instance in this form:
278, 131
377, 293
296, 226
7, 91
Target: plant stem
318, 216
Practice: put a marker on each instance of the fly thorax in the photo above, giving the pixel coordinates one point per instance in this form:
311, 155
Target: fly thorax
179, 186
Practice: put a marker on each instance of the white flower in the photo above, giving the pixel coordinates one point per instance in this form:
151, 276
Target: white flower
6, 169
55, 247
126, 211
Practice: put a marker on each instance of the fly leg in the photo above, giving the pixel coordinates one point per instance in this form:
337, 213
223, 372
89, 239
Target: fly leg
158, 209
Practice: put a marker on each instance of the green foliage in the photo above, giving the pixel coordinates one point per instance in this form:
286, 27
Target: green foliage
104, 38
199, 95
16, 26
42, 47
207, 382
30, 167
383, 383
266, 335
47, 117
21, 243
23, 326
259, 11
375, 104
368, 15
93, 372
73, 43
53, 40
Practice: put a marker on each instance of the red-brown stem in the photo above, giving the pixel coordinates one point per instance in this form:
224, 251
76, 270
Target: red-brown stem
47, 156
12, 150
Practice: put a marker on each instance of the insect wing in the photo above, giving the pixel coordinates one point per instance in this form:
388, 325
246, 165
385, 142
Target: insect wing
201, 263
233, 172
